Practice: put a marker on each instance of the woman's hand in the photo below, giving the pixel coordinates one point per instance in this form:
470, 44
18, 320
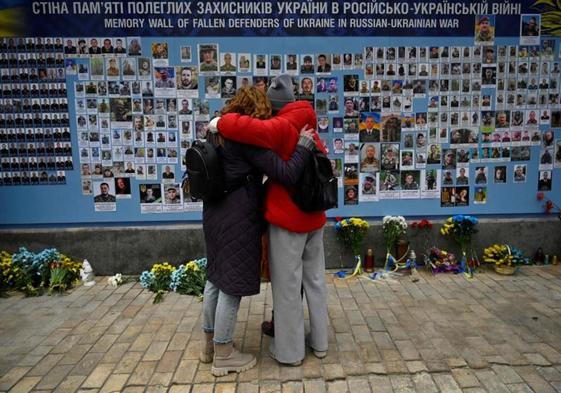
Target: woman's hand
307, 131
307, 137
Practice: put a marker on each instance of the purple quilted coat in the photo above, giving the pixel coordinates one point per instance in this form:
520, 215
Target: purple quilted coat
233, 225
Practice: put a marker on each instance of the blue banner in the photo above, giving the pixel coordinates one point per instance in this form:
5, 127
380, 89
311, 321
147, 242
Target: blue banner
453, 18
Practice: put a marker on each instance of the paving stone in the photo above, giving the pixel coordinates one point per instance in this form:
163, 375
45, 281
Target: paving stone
87, 364
424, 382
359, 385
25, 385
45, 365
551, 374
534, 380
179, 389
537, 359
465, 378
54, 377
202, 388
506, 374
115, 383
12, 376
292, 387
446, 383
270, 387
70, 384
314, 386
401, 381
337, 387
98, 376
142, 373
416, 366
491, 381
519, 388
407, 350
155, 351
333, 371
160, 379
74, 355
380, 383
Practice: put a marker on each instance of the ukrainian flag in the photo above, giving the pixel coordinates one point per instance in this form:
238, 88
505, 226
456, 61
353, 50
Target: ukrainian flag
12, 17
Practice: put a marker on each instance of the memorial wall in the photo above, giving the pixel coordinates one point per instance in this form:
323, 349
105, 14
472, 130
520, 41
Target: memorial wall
427, 108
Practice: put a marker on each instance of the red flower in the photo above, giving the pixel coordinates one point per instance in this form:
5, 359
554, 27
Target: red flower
338, 218
540, 196
414, 224
548, 207
423, 224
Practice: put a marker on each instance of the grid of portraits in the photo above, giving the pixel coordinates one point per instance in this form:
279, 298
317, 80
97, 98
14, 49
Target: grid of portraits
400, 122
35, 138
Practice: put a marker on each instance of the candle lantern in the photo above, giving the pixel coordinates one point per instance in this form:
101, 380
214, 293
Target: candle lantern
369, 261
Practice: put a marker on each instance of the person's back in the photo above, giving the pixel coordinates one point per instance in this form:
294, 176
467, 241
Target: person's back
233, 225
296, 253
241, 206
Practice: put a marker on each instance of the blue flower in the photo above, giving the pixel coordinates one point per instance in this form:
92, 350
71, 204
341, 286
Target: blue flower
176, 277
201, 263
147, 279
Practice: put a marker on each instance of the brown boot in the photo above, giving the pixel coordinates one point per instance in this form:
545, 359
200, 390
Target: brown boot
229, 359
207, 348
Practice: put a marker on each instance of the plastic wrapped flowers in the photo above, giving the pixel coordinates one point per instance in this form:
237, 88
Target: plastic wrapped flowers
442, 261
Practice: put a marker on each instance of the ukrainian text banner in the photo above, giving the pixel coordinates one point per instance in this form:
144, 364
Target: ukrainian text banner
270, 18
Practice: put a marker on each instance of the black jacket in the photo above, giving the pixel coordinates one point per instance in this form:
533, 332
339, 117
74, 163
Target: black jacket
233, 225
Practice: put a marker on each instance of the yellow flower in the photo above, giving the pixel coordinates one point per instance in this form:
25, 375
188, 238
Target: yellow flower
192, 266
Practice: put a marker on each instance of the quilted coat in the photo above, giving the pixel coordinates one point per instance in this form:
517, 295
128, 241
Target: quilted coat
233, 225
280, 134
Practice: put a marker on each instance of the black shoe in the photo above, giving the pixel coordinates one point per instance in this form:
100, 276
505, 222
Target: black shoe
268, 328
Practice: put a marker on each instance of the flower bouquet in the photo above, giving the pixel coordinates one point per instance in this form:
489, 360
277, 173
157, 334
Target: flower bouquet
549, 206
423, 228
442, 261
393, 228
157, 279
190, 279
118, 279
351, 232
11, 276
48, 269
461, 228
505, 258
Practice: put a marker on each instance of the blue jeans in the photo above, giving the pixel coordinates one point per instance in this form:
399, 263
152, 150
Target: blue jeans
220, 313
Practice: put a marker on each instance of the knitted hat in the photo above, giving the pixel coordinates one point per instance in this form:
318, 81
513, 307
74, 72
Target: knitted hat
281, 92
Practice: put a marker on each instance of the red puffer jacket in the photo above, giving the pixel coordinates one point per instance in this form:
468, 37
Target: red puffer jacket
280, 134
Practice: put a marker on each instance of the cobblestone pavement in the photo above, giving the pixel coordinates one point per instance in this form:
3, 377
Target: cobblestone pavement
440, 334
